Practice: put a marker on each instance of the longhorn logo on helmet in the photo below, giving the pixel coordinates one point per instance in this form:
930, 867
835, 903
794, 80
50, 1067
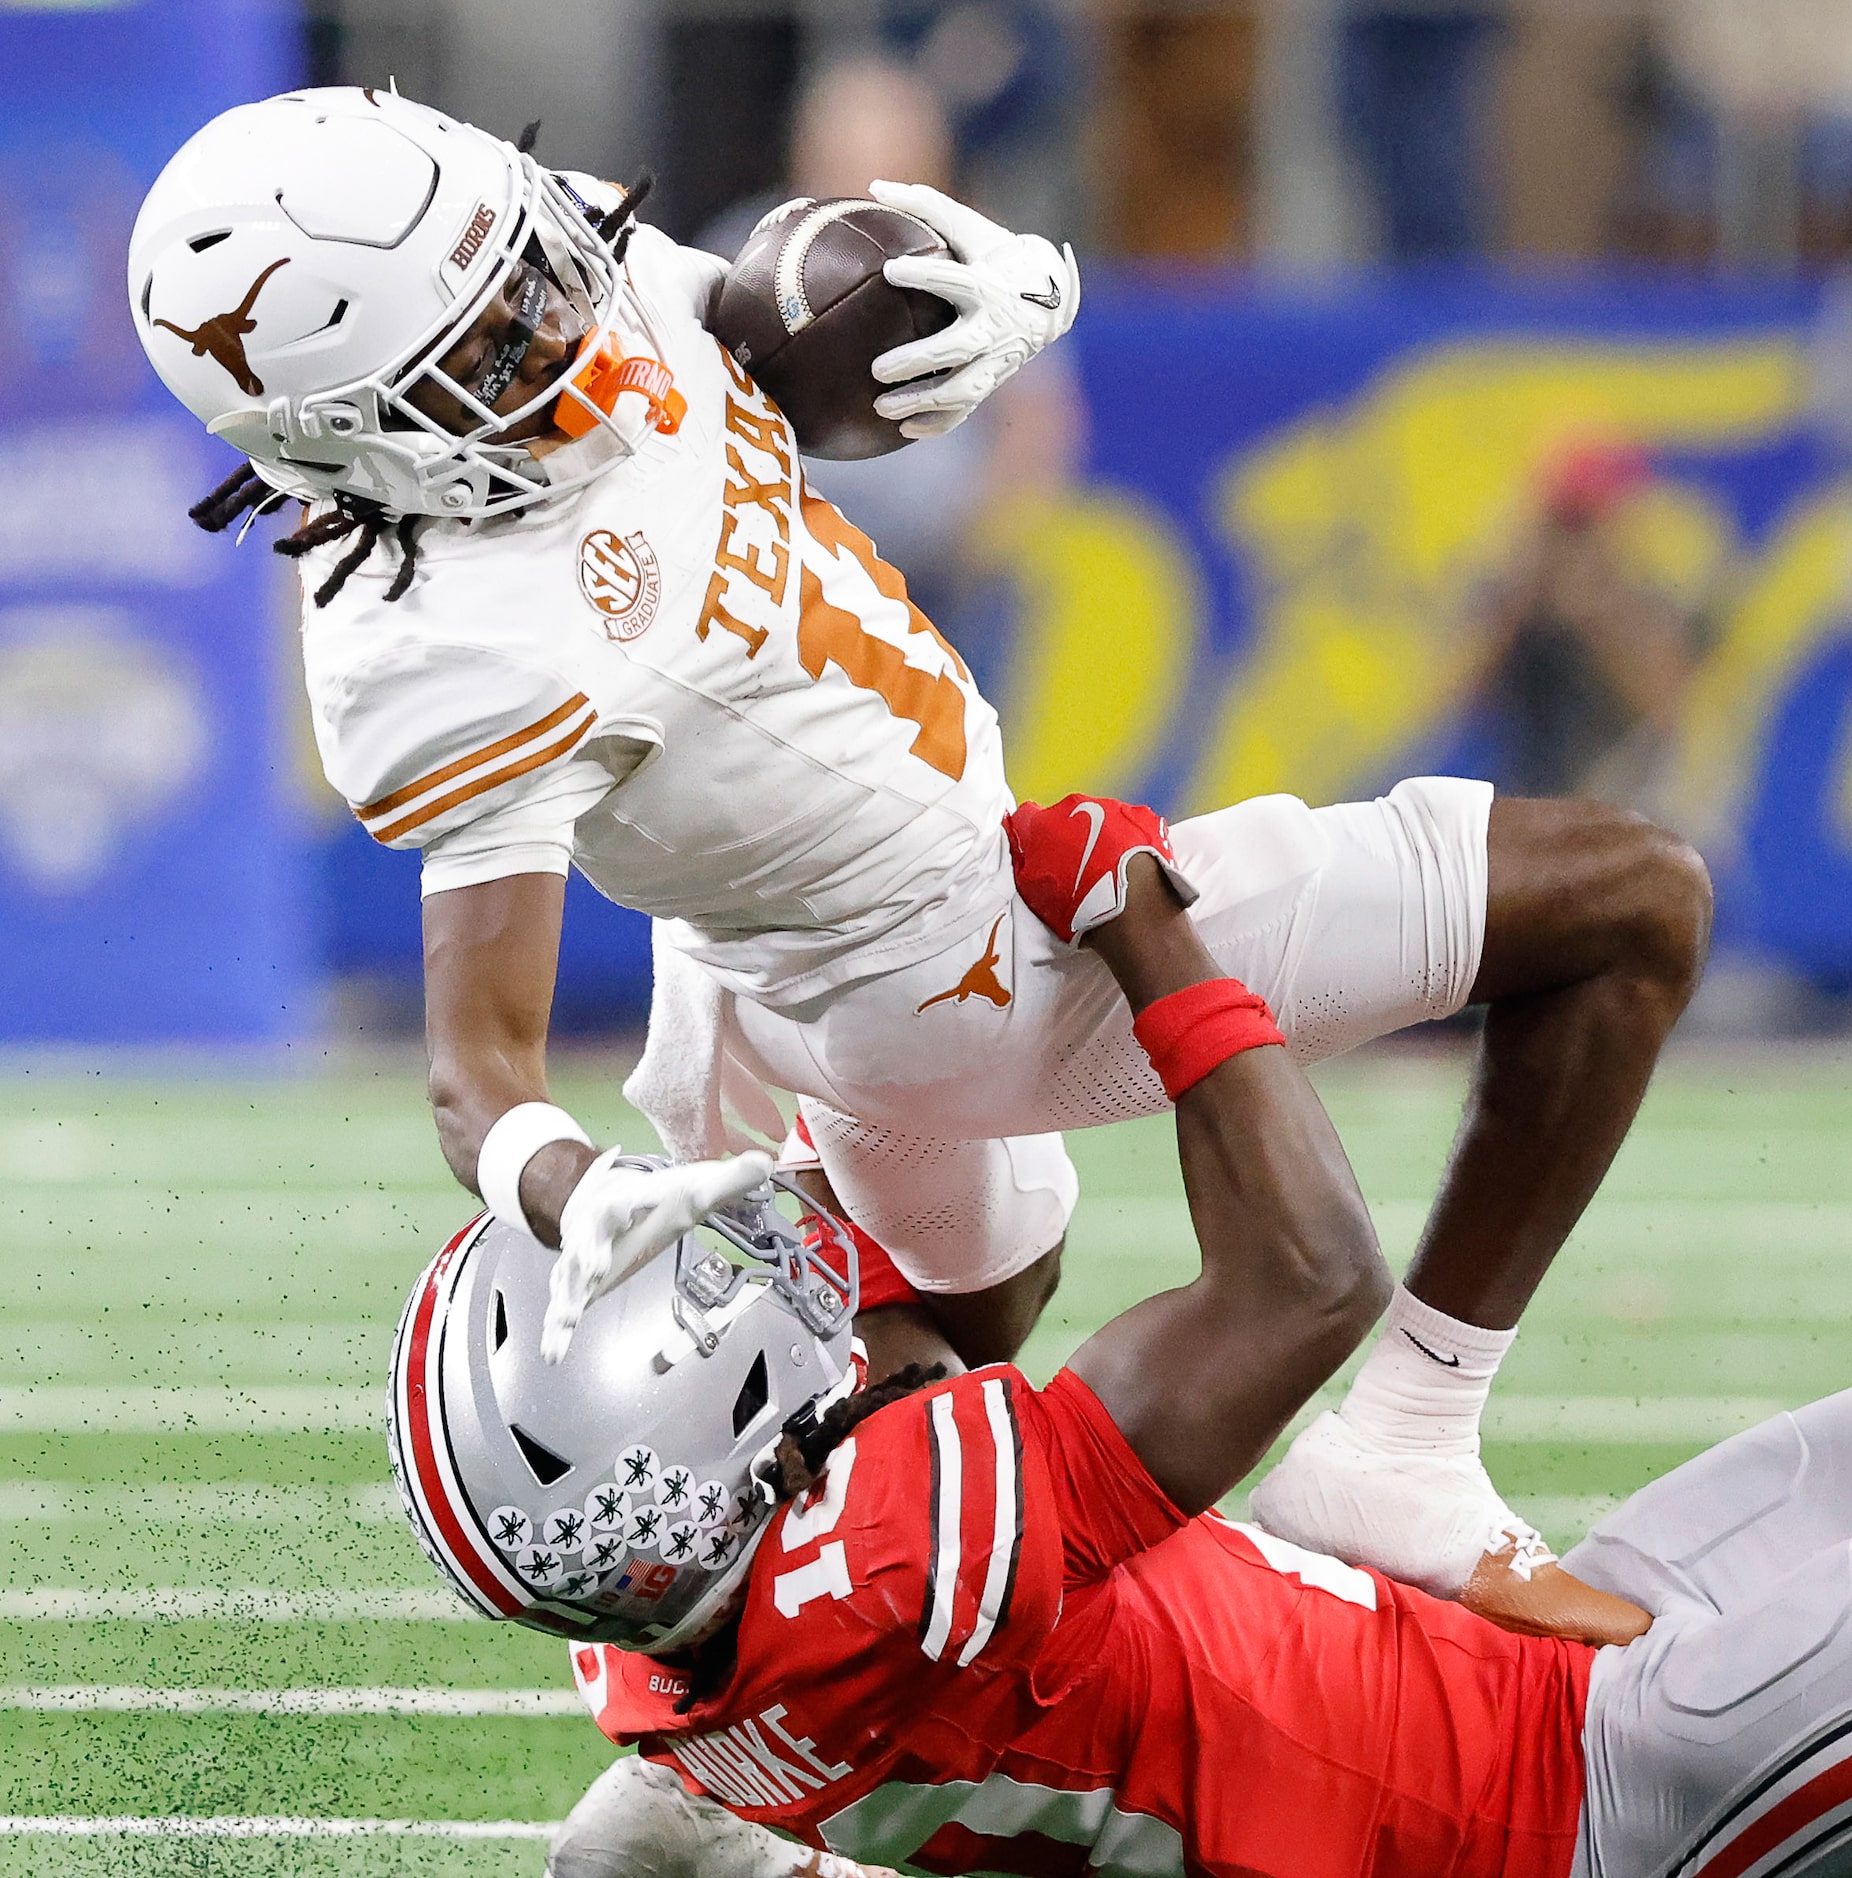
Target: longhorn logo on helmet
225, 333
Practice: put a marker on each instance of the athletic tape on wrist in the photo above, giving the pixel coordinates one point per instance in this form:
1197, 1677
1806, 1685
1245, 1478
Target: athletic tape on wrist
507, 1148
1195, 1030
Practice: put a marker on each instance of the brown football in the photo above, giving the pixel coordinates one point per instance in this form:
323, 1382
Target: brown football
806, 311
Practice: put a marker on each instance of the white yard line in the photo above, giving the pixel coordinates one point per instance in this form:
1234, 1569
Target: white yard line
57, 1408
182, 1604
1620, 1420
262, 1826
133, 1698
1655, 1220
230, 1502
1604, 1420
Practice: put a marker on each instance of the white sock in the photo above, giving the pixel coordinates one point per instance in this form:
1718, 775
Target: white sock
1423, 1388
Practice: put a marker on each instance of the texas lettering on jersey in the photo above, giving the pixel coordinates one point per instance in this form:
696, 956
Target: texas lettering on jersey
755, 514
845, 630
694, 680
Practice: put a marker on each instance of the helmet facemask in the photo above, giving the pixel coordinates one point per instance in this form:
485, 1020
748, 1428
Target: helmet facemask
420, 466
303, 265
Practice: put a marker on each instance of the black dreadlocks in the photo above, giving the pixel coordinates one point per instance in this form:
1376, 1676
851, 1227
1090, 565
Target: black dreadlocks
245, 490
812, 1439
619, 224
808, 1442
611, 223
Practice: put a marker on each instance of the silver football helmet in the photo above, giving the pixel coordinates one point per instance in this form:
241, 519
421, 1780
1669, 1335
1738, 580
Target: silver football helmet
303, 264
619, 1496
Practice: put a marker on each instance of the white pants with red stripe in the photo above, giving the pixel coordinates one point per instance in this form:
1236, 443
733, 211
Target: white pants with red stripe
1720, 1744
935, 1093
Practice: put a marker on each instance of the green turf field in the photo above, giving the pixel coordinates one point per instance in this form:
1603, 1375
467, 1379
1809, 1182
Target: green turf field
203, 1559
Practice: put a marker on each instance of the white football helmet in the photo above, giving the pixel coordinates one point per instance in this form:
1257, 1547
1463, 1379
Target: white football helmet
302, 264
618, 1496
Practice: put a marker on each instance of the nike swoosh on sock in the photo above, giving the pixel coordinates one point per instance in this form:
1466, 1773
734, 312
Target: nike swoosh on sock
1433, 1356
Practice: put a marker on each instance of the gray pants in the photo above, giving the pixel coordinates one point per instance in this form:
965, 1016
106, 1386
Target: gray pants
1721, 1742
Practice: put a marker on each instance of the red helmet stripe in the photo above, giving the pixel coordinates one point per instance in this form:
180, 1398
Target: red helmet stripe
451, 1526
1782, 1824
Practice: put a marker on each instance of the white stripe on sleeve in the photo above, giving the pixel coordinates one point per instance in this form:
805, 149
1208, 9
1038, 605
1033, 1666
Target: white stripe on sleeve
1006, 1536
948, 1517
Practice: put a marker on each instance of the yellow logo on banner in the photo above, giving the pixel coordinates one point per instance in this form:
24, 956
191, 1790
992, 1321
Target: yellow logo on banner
1370, 527
1108, 616
1783, 605
1367, 530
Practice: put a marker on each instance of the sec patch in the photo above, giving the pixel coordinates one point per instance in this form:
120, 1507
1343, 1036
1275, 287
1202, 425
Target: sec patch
620, 580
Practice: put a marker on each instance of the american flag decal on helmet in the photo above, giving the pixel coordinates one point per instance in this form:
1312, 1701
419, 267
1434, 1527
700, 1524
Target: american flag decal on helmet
447, 1527
976, 1511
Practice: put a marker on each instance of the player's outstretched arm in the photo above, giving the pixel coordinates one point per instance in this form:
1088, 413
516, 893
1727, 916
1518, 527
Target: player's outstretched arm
490, 956
1204, 1379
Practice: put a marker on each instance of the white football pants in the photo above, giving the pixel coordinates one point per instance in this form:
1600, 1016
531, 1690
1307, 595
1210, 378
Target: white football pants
935, 1093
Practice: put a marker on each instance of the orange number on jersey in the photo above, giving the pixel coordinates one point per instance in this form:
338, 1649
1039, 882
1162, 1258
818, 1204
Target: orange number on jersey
829, 635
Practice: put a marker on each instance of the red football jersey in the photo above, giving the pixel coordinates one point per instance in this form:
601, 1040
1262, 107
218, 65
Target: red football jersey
988, 1642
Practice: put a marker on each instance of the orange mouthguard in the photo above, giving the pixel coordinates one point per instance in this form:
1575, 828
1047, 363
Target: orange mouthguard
604, 376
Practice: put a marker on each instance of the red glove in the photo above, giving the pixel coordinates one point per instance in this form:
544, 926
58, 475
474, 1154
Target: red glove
1071, 859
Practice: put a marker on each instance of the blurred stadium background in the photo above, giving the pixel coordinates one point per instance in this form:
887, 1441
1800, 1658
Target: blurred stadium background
1461, 385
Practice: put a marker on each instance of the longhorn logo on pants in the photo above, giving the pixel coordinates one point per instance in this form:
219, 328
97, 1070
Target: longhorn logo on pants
981, 981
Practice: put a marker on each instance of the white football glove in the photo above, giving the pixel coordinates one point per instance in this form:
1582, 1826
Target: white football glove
618, 1218
1013, 293
1425, 1519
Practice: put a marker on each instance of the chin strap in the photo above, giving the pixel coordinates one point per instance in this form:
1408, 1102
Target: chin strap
805, 1425
601, 376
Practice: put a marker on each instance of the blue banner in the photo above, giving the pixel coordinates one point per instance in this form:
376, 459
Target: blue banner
1308, 552
153, 873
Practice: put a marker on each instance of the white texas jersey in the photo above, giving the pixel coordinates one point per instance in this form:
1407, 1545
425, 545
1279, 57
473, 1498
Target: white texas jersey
693, 679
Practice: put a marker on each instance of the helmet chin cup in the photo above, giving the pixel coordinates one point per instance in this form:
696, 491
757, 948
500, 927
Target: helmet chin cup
601, 375
594, 378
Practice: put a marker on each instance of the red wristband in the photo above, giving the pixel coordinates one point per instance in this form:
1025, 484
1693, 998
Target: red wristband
1195, 1030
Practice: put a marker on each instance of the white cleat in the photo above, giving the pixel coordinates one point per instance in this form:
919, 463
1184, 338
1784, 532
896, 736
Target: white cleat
1425, 1519
639, 1821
